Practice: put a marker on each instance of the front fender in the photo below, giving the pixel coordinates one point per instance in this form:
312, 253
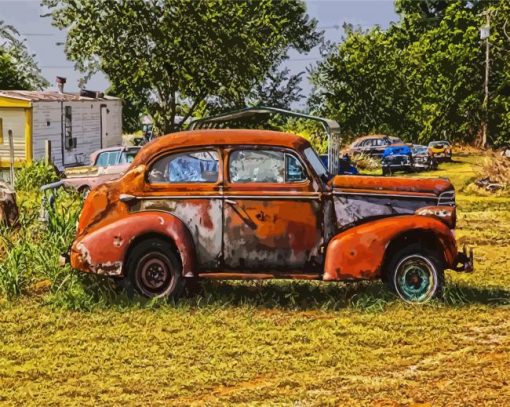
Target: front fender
358, 252
104, 250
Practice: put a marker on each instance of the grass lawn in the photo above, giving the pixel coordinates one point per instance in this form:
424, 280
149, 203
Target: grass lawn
279, 343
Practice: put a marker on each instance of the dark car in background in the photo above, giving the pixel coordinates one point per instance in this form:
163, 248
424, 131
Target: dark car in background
373, 145
441, 150
423, 160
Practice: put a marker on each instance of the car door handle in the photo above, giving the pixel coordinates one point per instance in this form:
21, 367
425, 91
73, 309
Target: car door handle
127, 197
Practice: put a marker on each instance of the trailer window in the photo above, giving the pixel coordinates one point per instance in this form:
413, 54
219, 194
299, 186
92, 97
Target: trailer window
68, 126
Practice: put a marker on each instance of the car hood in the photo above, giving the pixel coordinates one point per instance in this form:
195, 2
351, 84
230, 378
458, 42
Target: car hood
391, 185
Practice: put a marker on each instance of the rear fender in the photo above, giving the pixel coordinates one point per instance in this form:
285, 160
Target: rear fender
359, 252
104, 250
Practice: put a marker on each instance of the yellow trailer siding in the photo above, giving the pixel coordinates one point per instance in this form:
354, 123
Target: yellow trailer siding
15, 119
15, 103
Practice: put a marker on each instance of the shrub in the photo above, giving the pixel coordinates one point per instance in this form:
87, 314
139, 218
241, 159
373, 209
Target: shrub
365, 162
34, 175
31, 253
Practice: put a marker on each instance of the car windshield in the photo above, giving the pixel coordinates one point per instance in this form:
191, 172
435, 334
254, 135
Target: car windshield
316, 163
439, 144
420, 150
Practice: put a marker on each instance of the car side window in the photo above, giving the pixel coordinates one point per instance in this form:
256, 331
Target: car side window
264, 166
294, 171
194, 166
113, 157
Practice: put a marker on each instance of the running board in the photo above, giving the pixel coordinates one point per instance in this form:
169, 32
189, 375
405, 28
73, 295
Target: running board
259, 276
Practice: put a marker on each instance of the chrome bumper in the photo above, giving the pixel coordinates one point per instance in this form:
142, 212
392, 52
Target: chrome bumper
464, 262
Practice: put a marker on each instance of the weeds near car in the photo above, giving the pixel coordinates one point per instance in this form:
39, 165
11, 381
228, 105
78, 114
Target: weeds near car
70, 338
34, 175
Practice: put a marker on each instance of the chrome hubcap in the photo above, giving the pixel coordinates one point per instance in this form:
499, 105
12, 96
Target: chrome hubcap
154, 274
415, 279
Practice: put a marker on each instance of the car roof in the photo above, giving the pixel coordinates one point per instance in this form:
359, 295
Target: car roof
218, 137
370, 136
373, 136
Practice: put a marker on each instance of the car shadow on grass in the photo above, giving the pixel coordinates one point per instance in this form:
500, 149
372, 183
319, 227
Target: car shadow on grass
365, 295
279, 294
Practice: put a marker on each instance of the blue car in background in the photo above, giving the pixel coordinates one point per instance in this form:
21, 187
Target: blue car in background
397, 158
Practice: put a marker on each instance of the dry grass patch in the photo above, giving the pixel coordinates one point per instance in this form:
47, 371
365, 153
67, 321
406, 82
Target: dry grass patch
275, 343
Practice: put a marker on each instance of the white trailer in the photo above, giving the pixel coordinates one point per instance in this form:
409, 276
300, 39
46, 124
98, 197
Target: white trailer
75, 124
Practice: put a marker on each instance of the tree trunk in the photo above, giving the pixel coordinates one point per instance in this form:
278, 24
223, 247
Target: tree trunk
8, 206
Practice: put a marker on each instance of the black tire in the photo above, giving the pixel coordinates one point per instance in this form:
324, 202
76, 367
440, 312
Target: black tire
84, 191
415, 274
154, 269
385, 171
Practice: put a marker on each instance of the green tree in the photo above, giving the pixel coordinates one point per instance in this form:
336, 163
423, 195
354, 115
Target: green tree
178, 57
18, 69
422, 78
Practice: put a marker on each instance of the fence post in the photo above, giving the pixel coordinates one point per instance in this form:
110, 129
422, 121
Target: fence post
47, 152
11, 156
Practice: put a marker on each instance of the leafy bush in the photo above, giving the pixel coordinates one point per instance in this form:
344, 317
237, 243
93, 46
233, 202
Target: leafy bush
31, 253
34, 175
365, 162
493, 177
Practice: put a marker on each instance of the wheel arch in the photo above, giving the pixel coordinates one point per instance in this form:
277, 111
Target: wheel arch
425, 238
105, 250
361, 251
146, 236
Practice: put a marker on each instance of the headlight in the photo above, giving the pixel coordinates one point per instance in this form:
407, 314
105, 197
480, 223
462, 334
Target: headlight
447, 214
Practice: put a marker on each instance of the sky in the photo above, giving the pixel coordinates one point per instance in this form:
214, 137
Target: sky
44, 40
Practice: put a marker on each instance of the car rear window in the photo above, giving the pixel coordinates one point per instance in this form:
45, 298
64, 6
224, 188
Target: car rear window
128, 156
107, 158
195, 166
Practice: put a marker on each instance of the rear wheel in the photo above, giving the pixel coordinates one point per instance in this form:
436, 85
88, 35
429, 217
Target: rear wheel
415, 274
154, 269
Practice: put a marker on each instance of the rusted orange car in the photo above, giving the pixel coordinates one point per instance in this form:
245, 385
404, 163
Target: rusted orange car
250, 204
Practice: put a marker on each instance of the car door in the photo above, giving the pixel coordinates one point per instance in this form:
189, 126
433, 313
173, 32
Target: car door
272, 212
186, 183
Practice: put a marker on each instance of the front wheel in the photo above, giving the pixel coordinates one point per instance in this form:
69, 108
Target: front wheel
416, 275
154, 269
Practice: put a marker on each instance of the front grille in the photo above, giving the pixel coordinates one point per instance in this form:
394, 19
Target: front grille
447, 198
